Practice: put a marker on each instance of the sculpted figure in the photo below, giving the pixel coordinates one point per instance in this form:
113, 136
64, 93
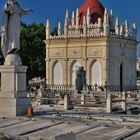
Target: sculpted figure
81, 79
11, 25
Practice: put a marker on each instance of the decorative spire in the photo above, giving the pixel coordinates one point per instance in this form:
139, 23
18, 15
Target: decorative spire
106, 24
66, 23
67, 13
134, 30
126, 28
117, 26
126, 24
77, 18
84, 26
111, 12
100, 25
77, 12
134, 26
88, 11
88, 16
59, 29
67, 18
47, 29
48, 24
105, 12
106, 18
73, 17
111, 20
117, 21
122, 30
84, 21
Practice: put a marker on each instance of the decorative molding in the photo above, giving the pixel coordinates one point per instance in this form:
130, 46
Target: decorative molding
75, 52
95, 51
56, 52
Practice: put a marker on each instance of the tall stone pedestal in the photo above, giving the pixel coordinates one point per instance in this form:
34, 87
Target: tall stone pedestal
13, 96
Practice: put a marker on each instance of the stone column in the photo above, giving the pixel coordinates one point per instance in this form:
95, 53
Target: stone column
83, 99
109, 103
66, 102
124, 102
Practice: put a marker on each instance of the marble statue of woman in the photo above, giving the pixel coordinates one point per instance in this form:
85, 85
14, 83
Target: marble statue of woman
11, 25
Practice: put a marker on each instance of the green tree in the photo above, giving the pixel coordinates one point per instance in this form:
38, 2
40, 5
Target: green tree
138, 75
32, 51
54, 32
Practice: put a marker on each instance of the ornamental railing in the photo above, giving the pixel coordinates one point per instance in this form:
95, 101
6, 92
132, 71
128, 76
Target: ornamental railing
88, 88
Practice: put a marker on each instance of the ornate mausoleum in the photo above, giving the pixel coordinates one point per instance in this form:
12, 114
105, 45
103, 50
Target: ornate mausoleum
95, 39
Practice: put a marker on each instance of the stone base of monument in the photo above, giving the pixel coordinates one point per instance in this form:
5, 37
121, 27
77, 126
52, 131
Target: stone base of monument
13, 107
13, 96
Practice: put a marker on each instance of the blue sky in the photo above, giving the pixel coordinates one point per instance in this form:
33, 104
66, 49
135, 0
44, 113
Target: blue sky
55, 10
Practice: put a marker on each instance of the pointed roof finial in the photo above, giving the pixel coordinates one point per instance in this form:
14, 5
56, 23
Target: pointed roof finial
59, 29
77, 12
73, 15
73, 18
88, 16
111, 12
48, 23
59, 25
67, 18
67, 13
88, 11
134, 26
84, 20
122, 29
105, 12
66, 22
117, 21
126, 24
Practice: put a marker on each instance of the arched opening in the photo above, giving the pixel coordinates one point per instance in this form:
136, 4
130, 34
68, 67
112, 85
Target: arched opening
95, 71
57, 73
75, 66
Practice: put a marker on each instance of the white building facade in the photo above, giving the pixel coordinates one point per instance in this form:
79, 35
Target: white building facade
96, 40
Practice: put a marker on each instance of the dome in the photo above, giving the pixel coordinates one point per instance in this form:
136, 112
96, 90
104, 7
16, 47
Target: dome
96, 10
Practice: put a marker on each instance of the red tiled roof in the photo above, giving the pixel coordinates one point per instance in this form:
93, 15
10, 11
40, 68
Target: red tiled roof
96, 10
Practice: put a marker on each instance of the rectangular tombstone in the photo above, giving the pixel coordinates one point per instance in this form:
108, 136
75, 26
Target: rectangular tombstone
109, 103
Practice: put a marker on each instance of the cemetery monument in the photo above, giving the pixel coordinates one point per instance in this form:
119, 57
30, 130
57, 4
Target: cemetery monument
13, 98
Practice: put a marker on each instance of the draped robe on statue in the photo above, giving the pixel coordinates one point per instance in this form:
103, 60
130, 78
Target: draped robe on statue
11, 25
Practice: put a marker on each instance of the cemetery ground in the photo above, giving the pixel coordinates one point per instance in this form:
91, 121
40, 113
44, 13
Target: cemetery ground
60, 113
